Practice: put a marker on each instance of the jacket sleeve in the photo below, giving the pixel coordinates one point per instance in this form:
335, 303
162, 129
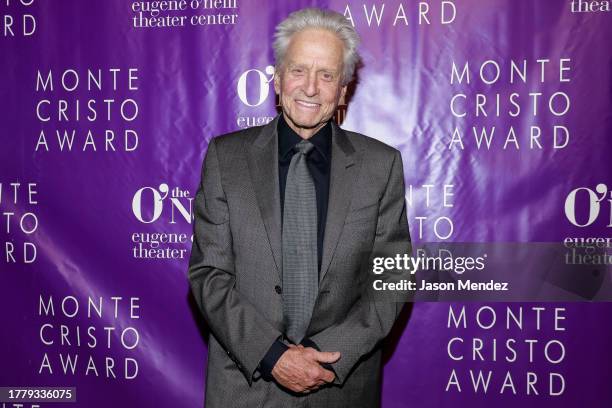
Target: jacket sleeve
368, 322
243, 332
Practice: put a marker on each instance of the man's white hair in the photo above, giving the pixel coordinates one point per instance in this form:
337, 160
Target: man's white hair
318, 18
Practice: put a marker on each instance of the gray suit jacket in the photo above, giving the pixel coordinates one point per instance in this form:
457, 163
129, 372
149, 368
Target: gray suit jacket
235, 266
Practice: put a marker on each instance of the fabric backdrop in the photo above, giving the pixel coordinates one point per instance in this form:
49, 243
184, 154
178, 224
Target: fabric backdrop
502, 112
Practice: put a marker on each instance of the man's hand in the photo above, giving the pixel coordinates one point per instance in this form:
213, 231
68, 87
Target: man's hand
298, 369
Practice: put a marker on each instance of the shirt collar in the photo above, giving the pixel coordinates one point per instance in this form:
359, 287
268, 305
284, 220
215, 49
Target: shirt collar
288, 138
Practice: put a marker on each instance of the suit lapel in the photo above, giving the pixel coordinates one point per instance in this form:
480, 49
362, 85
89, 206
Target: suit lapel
343, 175
263, 168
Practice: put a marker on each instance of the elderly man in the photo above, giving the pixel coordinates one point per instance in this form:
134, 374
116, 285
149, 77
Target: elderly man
283, 215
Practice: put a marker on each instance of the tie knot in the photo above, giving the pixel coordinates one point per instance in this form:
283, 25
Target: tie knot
304, 147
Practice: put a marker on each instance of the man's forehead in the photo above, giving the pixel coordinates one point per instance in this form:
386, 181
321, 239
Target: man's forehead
311, 64
316, 37
315, 45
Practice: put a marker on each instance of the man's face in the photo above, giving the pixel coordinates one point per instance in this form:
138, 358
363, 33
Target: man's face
309, 81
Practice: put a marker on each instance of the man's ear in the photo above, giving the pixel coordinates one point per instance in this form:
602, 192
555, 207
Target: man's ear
342, 95
277, 82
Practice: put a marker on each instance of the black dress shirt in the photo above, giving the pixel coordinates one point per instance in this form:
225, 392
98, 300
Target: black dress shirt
318, 162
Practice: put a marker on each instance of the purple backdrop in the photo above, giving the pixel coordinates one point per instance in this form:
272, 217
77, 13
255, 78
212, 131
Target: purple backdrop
502, 112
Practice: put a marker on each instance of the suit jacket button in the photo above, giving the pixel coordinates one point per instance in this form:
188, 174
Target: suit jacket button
278, 289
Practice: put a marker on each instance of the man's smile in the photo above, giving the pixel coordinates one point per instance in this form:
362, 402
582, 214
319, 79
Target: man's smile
306, 104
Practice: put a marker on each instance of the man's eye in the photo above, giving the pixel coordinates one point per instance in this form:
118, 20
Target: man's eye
297, 71
327, 76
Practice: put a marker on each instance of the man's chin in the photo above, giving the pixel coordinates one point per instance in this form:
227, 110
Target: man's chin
306, 124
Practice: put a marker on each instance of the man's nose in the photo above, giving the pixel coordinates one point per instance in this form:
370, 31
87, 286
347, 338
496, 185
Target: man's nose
311, 85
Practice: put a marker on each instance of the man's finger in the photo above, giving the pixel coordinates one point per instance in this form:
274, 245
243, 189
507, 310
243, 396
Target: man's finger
326, 356
328, 376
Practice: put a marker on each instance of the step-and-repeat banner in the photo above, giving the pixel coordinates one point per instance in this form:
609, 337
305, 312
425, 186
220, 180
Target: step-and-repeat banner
502, 111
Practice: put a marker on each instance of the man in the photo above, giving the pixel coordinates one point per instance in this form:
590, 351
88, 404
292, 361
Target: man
282, 217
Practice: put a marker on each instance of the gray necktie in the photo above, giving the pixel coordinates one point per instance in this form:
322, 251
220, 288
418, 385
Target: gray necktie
299, 243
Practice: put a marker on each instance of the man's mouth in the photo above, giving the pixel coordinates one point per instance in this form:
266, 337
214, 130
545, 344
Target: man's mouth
307, 104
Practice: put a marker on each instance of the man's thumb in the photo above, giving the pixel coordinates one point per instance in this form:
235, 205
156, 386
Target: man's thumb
327, 356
